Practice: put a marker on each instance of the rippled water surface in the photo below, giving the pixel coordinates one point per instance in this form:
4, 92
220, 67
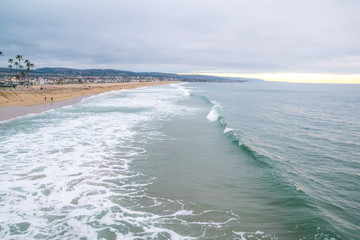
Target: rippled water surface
186, 161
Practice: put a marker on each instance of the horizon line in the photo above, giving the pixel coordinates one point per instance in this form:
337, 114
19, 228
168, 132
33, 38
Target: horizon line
291, 77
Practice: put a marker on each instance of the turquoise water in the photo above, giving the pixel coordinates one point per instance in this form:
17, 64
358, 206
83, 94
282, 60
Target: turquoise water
187, 161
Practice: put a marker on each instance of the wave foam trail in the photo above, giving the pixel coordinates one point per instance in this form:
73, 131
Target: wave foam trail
227, 130
69, 174
185, 91
213, 115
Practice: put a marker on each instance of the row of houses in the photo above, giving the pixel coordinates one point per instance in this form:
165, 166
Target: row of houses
78, 79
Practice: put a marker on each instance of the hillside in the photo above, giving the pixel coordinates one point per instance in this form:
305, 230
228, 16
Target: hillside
70, 72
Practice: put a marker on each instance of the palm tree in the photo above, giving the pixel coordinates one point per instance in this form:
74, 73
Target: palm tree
1, 54
18, 65
21, 74
11, 61
31, 66
23, 77
28, 66
19, 58
16, 73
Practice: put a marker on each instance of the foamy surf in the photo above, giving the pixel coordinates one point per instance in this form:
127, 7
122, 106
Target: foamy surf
147, 164
213, 115
227, 130
68, 173
184, 90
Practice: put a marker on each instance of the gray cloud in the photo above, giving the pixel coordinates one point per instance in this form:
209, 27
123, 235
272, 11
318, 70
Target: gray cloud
185, 35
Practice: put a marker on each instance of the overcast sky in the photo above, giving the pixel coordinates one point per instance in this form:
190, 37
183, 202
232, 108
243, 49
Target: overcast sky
248, 36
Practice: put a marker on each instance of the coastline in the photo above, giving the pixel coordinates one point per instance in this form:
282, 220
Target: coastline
16, 103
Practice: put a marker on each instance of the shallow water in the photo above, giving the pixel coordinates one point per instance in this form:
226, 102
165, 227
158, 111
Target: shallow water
186, 161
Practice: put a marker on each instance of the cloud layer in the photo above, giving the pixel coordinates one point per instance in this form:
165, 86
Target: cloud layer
185, 35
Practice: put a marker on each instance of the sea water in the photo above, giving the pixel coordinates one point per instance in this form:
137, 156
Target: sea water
187, 161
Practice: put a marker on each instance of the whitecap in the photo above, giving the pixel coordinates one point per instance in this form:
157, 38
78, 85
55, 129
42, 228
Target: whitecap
227, 130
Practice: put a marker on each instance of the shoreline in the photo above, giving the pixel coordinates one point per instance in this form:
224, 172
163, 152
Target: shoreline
16, 103
11, 112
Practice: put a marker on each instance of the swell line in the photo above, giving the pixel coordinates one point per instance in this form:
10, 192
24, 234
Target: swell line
214, 115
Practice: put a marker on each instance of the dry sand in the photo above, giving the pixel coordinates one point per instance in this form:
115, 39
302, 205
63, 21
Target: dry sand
35, 96
14, 103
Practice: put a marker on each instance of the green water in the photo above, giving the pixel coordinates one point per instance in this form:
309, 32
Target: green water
187, 161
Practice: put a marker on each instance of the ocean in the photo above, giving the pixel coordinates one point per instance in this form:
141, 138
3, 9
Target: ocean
187, 161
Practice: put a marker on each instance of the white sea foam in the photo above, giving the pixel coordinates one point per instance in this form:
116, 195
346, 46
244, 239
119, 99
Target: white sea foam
252, 235
185, 91
69, 173
183, 212
213, 115
69, 170
227, 129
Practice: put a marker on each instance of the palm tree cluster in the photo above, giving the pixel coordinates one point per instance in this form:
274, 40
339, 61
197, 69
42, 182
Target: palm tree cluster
20, 74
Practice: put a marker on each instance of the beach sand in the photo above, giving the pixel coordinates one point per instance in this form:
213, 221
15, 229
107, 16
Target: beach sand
14, 103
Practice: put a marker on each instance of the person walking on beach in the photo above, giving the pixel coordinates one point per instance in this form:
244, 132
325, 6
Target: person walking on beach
52, 99
45, 98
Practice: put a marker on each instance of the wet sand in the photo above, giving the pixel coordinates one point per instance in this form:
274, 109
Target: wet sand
17, 111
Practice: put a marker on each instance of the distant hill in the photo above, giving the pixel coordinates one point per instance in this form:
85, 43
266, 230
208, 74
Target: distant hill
61, 72
245, 79
101, 72
84, 72
92, 72
221, 79
205, 78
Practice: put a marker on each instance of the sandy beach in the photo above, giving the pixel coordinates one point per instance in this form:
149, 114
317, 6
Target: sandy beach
35, 96
14, 103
